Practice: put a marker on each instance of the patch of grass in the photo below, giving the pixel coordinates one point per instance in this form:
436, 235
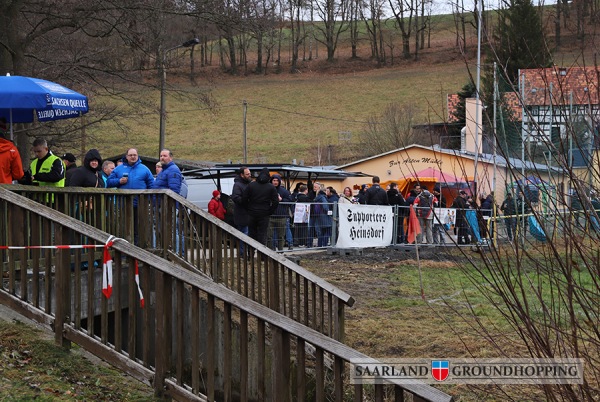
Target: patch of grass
32, 367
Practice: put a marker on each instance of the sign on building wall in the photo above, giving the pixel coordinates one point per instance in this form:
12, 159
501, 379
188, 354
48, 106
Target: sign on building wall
365, 226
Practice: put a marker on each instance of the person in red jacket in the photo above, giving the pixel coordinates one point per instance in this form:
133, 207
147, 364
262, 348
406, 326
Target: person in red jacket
11, 167
215, 206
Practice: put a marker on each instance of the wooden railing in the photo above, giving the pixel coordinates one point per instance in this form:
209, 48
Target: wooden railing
193, 340
174, 228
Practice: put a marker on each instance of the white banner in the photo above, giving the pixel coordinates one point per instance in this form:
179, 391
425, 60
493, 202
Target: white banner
365, 226
445, 216
302, 213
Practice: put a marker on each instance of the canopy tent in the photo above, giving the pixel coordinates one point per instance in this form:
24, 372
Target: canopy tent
449, 184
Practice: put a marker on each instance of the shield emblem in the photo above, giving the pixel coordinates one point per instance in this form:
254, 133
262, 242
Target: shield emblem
440, 369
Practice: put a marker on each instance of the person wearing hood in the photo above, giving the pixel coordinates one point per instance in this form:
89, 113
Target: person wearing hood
261, 200
88, 175
279, 222
215, 206
11, 166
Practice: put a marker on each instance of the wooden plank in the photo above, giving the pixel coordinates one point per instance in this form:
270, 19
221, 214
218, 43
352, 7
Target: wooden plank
227, 361
77, 290
300, 369
63, 288
180, 311
108, 354
160, 337
243, 356
378, 393
132, 312
358, 393
195, 335
211, 344
319, 375
116, 297
338, 378
260, 356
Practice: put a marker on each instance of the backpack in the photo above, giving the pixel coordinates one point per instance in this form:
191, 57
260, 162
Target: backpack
184, 188
424, 208
230, 207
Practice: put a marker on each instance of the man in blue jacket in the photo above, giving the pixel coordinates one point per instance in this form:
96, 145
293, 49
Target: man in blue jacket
132, 175
170, 177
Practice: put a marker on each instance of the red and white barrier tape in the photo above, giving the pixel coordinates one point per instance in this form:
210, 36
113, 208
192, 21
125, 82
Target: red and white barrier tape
61, 247
107, 268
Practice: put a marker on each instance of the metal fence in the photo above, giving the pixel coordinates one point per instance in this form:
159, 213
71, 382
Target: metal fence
300, 231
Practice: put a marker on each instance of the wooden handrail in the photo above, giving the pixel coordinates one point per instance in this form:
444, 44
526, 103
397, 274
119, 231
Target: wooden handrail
261, 273
170, 276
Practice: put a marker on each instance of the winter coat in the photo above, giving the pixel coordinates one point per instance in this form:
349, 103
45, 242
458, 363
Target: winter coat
140, 177
216, 208
425, 198
261, 197
169, 178
240, 213
11, 166
283, 209
321, 212
376, 196
487, 205
69, 171
85, 175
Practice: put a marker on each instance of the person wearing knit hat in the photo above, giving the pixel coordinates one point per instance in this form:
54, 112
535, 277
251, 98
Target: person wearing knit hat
70, 166
215, 206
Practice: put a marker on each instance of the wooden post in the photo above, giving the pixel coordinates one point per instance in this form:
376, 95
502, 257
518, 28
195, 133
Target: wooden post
62, 273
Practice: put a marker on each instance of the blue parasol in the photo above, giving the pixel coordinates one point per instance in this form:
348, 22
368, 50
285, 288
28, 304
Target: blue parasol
21, 97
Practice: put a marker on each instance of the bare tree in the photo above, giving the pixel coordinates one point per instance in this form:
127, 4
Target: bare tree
334, 14
404, 12
391, 130
372, 17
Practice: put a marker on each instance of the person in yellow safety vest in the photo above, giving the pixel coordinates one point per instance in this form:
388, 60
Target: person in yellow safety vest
47, 169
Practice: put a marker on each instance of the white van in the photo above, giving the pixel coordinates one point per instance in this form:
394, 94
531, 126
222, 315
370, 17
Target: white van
200, 190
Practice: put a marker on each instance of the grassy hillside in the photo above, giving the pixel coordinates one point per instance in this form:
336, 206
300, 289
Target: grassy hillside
288, 116
293, 116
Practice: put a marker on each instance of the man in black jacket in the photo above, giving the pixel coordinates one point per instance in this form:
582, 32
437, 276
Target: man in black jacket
261, 200
395, 198
279, 221
461, 225
375, 194
240, 214
88, 175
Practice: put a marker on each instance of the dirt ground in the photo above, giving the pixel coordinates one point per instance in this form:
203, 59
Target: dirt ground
390, 319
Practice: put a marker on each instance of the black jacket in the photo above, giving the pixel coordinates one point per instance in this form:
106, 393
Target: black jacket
395, 198
86, 176
283, 210
260, 197
240, 213
376, 195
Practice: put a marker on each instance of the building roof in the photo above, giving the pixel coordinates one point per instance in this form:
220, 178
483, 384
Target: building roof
570, 86
579, 84
514, 163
